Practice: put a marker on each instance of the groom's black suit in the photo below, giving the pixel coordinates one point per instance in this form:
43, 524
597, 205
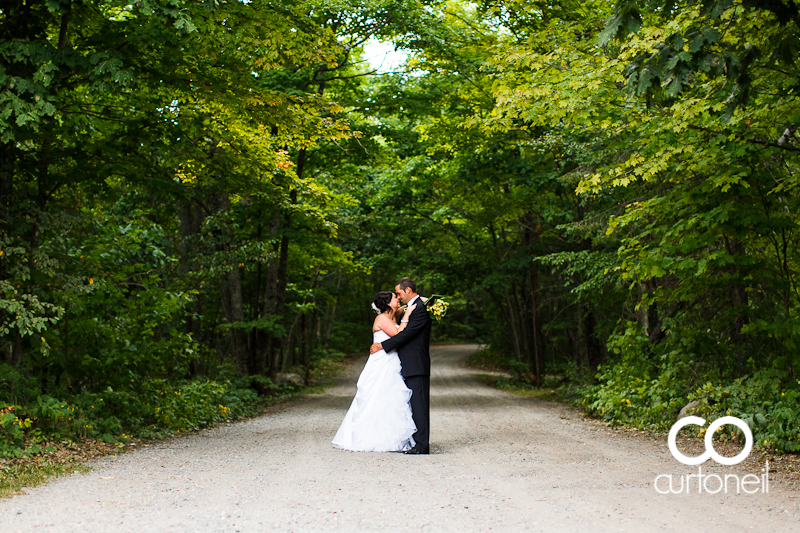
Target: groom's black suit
413, 348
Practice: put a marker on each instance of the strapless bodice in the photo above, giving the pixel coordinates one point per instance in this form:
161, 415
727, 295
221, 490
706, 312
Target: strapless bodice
379, 336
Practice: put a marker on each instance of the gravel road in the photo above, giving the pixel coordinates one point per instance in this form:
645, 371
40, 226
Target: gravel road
498, 462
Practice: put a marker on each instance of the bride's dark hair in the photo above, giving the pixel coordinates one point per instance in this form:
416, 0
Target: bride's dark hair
382, 299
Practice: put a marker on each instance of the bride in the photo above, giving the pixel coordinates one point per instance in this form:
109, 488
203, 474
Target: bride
379, 419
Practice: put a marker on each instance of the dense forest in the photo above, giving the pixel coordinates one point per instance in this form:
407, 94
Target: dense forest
199, 197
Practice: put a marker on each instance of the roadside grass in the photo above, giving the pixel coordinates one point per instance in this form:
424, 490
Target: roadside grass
488, 359
522, 389
508, 375
14, 478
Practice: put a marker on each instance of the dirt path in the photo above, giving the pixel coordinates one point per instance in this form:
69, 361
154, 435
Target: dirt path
498, 462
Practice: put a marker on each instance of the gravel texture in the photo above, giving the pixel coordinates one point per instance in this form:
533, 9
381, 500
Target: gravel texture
499, 462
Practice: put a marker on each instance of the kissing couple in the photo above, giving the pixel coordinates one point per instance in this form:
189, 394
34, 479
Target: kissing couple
391, 409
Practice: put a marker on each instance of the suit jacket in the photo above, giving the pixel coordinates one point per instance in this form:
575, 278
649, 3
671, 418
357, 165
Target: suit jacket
413, 344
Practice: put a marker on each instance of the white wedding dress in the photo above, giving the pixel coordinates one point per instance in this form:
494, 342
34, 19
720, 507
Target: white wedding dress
379, 419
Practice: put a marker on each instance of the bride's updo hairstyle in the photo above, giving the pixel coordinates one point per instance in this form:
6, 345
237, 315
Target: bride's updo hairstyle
381, 301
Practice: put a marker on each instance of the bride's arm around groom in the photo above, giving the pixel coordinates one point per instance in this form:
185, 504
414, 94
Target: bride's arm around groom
411, 326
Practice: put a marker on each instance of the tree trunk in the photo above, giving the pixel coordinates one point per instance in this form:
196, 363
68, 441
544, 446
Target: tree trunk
647, 315
190, 218
265, 338
332, 316
280, 292
254, 338
522, 315
303, 346
535, 346
238, 336
513, 324
7, 161
16, 351
231, 293
739, 302
66, 339
538, 360
7, 158
283, 260
594, 352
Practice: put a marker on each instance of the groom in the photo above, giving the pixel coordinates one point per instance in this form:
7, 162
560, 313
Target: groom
413, 347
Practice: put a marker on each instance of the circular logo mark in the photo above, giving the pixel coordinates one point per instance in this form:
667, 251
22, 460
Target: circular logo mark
710, 451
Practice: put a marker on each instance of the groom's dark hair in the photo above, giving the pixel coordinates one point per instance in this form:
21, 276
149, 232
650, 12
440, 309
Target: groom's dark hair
407, 283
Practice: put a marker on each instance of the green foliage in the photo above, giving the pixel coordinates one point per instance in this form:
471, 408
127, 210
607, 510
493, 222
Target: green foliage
21, 310
124, 329
17, 386
647, 392
24, 428
157, 409
199, 404
635, 390
766, 401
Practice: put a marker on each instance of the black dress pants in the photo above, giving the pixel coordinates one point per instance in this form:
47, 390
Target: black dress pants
421, 409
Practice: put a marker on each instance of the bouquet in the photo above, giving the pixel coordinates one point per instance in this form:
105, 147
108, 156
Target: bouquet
437, 306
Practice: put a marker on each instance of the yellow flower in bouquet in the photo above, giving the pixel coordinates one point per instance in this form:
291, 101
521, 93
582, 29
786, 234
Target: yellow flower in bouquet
439, 308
